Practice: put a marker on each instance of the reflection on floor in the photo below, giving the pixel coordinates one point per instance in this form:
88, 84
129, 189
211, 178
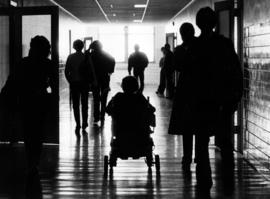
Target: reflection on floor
74, 169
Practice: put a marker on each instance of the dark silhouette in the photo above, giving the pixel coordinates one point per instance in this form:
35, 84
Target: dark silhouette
138, 61
184, 84
78, 75
169, 71
162, 77
103, 66
132, 115
27, 88
214, 80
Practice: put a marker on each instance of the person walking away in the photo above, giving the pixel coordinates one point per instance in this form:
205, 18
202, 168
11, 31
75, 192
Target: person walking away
103, 66
162, 78
169, 71
138, 61
183, 64
77, 73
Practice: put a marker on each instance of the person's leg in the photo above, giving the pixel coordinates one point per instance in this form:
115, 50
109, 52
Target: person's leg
187, 150
203, 169
84, 102
224, 137
162, 81
141, 78
75, 95
104, 96
169, 84
96, 100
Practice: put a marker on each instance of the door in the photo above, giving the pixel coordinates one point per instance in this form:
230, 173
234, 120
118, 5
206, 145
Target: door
20, 25
229, 24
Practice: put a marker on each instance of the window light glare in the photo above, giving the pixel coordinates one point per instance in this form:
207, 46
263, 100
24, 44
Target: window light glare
13, 3
137, 21
140, 6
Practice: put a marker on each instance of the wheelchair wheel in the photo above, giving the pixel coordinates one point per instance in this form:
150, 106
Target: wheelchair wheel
157, 163
106, 163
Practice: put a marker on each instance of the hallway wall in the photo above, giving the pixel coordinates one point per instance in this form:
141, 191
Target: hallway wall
257, 80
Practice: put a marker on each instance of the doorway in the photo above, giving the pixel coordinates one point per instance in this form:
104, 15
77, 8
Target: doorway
230, 25
18, 26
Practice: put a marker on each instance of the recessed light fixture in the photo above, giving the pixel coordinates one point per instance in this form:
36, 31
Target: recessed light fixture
111, 5
134, 14
114, 14
13, 3
137, 21
140, 6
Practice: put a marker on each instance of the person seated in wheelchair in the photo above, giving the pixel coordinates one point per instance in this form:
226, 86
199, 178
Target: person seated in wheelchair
132, 115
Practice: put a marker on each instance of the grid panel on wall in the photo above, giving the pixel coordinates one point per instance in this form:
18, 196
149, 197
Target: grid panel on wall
257, 93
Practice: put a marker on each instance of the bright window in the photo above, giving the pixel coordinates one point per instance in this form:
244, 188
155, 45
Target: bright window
144, 37
113, 41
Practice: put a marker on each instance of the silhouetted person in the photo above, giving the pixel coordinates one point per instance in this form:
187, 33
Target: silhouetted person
129, 111
29, 82
103, 66
77, 72
215, 89
162, 76
183, 64
169, 70
138, 61
217, 53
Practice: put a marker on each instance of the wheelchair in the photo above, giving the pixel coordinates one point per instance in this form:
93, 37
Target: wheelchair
133, 145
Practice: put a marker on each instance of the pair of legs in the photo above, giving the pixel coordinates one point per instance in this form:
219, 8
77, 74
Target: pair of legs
162, 81
224, 140
166, 81
79, 94
100, 94
140, 77
203, 169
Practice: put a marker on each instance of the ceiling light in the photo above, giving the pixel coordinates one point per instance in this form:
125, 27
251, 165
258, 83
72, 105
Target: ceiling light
140, 6
134, 14
111, 5
137, 21
114, 14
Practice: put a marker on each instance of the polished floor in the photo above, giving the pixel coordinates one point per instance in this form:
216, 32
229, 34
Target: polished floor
74, 169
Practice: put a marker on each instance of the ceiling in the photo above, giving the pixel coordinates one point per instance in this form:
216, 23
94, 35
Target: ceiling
122, 11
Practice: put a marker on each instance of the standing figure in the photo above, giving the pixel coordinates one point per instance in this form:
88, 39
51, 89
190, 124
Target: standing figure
162, 77
215, 88
103, 66
28, 85
77, 72
183, 64
169, 70
138, 61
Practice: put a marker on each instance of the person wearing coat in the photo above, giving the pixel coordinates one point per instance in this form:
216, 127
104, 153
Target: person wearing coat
103, 67
214, 90
181, 101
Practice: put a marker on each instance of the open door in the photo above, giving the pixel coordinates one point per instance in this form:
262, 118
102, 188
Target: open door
18, 26
230, 25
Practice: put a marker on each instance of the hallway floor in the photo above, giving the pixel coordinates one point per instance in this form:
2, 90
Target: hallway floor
74, 169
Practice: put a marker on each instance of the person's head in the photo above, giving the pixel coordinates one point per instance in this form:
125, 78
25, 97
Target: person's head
39, 47
96, 45
78, 45
187, 31
136, 47
167, 48
162, 49
130, 84
206, 19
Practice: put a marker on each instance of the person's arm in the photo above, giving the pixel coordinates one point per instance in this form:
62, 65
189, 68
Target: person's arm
146, 61
67, 69
129, 64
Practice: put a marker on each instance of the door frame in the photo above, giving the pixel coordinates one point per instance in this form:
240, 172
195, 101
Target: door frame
15, 15
236, 13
